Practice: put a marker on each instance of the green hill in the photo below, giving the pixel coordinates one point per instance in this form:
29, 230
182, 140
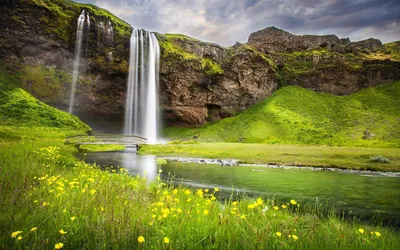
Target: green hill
23, 115
294, 115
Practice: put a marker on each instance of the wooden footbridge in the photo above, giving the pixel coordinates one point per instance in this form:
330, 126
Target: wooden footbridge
103, 139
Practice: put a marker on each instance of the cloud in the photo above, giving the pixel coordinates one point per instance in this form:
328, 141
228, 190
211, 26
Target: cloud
228, 21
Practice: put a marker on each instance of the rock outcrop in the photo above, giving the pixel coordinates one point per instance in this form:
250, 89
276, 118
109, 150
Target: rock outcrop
272, 39
199, 82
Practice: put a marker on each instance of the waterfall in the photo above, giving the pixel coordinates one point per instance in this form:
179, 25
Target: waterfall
77, 57
141, 110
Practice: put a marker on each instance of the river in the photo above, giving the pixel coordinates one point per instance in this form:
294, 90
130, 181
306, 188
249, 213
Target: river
365, 194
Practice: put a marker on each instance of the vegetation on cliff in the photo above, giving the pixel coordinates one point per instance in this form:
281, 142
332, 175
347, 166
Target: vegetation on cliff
22, 114
293, 115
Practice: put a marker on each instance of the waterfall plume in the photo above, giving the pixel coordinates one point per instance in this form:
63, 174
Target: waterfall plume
141, 110
82, 19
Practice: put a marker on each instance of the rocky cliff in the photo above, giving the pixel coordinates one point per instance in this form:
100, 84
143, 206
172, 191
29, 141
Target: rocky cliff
199, 81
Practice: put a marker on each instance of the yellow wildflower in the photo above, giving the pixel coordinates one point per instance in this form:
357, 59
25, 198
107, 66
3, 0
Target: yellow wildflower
216, 189
15, 234
200, 192
279, 234
58, 245
378, 234
259, 201
189, 200
140, 239
251, 206
276, 208
91, 180
93, 191
234, 203
73, 218
243, 217
293, 202
166, 240
33, 229
284, 206
62, 231
361, 230
175, 191
187, 192
19, 238
45, 204
179, 210
65, 210
206, 212
206, 190
295, 237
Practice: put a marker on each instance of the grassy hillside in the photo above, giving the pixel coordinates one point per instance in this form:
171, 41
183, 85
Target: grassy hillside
294, 115
23, 115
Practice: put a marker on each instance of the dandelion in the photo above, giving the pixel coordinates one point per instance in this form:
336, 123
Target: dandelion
187, 192
293, 202
234, 203
175, 191
259, 201
378, 234
33, 229
206, 190
140, 239
276, 208
166, 240
15, 234
58, 245
295, 237
45, 204
93, 191
62, 232
206, 212
19, 238
216, 189
284, 206
279, 234
361, 230
200, 192
73, 218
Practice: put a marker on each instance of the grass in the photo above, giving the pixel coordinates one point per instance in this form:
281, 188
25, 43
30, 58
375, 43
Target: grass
65, 201
294, 115
316, 156
101, 148
21, 115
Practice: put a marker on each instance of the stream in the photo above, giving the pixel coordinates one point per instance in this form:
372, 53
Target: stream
365, 194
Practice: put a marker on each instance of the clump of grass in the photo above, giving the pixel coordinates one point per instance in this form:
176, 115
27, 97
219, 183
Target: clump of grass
183, 142
379, 159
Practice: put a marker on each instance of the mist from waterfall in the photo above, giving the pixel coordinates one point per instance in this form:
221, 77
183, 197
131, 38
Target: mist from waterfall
83, 18
141, 110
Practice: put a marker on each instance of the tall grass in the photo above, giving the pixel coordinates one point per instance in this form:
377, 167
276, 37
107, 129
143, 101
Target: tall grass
53, 199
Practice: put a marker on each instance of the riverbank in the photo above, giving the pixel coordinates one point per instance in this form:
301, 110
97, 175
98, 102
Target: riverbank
290, 155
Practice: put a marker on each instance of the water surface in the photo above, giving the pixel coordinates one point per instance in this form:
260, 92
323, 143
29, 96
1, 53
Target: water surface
364, 194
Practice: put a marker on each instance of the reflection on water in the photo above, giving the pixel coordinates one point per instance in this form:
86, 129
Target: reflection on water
143, 165
364, 194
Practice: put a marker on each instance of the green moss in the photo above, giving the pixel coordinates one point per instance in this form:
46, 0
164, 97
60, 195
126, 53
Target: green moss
46, 83
293, 115
65, 12
180, 36
211, 68
169, 48
394, 49
260, 54
300, 63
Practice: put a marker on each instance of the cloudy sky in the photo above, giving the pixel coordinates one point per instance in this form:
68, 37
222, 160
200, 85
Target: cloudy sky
227, 21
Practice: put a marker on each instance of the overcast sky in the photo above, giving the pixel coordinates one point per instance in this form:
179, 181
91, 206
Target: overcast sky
227, 21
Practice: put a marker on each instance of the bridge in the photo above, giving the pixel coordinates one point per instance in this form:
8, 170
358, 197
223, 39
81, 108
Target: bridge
103, 139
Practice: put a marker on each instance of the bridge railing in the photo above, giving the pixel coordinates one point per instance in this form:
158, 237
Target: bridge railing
106, 139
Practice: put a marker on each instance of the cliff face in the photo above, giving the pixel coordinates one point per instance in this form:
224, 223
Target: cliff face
327, 63
199, 82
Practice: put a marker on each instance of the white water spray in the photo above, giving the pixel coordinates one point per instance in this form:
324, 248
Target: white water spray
141, 111
77, 57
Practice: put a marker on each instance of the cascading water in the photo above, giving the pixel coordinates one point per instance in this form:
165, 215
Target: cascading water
141, 111
84, 17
